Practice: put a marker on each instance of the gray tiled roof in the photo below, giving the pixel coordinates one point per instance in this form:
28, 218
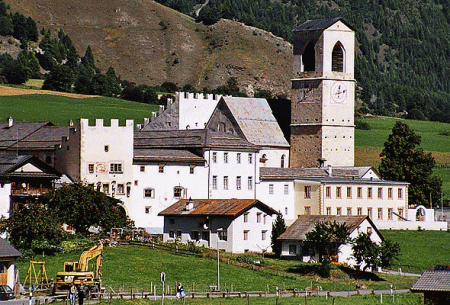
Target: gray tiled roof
433, 280
306, 223
9, 163
6, 250
31, 135
319, 24
278, 173
256, 120
195, 138
346, 174
166, 155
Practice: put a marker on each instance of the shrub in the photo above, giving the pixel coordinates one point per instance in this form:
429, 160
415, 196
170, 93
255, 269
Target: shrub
362, 125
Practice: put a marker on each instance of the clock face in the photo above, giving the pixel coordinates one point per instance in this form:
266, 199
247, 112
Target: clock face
339, 92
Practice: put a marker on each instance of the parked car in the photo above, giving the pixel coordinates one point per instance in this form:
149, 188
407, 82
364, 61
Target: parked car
6, 293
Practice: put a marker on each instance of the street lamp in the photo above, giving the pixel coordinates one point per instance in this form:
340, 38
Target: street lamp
218, 260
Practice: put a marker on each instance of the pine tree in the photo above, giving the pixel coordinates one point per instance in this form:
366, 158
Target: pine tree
403, 161
278, 228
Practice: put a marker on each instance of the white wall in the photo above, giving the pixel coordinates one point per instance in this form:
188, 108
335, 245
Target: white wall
195, 109
102, 146
255, 242
195, 185
5, 199
273, 157
232, 170
282, 198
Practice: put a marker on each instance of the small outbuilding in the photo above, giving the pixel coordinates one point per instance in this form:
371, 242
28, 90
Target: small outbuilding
435, 286
292, 239
8, 255
233, 225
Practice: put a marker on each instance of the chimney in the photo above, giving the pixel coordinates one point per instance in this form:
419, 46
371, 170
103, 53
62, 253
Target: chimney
10, 121
330, 170
189, 205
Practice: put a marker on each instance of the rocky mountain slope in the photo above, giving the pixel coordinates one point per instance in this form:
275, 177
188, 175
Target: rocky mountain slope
148, 43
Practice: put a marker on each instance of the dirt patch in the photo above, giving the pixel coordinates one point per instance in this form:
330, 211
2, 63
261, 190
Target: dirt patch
5, 91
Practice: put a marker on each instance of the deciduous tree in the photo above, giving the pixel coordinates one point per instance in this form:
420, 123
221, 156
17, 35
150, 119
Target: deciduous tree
81, 207
372, 255
326, 238
32, 225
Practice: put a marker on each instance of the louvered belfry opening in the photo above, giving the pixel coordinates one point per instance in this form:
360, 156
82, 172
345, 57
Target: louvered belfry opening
337, 58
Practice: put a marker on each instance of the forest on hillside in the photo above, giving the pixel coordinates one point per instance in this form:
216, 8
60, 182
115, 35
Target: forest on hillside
402, 62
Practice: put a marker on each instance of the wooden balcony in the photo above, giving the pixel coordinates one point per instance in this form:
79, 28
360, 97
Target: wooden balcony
30, 191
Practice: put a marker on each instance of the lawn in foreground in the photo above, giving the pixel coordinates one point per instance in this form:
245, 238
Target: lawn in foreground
139, 267
405, 299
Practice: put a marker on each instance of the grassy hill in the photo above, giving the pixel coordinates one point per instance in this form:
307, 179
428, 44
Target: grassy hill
61, 109
139, 266
435, 139
149, 43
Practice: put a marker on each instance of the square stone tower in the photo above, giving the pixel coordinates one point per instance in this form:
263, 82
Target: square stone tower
323, 94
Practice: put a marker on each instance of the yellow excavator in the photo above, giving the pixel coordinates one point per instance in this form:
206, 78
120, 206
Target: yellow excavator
76, 272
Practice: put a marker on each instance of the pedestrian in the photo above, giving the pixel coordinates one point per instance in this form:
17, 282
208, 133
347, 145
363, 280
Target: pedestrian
81, 293
180, 291
72, 293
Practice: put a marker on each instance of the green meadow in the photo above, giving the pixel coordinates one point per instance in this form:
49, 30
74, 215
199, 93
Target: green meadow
61, 109
139, 267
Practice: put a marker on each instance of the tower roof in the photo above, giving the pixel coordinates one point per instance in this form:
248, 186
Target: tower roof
320, 24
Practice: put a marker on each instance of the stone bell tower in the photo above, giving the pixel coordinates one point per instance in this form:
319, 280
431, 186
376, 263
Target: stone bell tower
323, 94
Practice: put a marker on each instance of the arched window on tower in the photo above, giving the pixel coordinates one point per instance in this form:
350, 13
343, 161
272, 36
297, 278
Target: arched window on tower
337, 58
309, 58
283, 157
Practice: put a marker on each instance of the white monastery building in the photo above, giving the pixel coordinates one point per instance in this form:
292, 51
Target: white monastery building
226, 154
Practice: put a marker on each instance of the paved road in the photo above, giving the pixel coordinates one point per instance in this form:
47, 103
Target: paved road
386, 292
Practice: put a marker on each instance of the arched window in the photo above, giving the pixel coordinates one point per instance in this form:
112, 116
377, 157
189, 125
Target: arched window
309, 58
283, 157
337, 58
263, 158
221, 127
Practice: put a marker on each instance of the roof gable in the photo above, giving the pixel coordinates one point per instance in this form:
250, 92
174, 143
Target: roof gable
7, 250
321, 24
255, 120
11, 165
306, 223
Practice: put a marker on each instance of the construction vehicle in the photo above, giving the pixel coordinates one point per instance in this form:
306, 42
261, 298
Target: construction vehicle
77, 272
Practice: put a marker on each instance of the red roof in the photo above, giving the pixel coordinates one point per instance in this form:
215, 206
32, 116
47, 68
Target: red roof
222, 207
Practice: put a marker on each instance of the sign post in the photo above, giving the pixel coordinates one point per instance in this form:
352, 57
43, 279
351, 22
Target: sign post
163, 280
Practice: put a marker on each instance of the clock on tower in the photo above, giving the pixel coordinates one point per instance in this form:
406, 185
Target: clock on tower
323, 94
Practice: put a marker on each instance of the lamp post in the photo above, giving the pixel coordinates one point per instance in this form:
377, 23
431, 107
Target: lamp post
218, 260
